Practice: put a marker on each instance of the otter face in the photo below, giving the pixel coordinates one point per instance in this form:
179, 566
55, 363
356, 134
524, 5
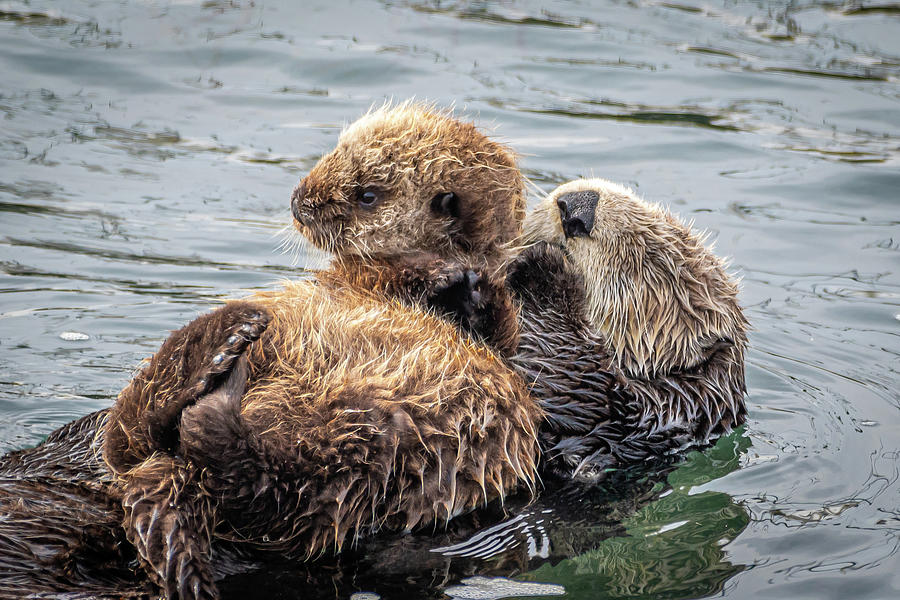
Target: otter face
663, 301
406, 179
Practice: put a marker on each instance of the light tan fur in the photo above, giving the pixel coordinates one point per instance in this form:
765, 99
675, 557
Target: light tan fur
331, 350
659, 296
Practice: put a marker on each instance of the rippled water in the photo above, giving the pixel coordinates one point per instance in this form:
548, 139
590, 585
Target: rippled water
147, 150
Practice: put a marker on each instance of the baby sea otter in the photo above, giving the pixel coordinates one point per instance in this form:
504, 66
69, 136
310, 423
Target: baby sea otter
355, 410
415, 206
421, 207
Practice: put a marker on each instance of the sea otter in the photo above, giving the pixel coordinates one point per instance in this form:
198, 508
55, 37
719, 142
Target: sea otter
632, 337
414, 205
422, 207
401, 181
307, 449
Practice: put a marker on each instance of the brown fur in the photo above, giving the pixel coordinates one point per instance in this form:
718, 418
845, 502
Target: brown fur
174, 378
350, 415
300, 402
407, 158
407, 155
353, 413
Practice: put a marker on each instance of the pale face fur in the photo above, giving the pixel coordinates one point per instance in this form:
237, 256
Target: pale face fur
374, 194
658, 295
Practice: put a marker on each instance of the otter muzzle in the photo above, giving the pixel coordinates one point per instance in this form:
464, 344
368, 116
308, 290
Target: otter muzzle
296, 200
576, 209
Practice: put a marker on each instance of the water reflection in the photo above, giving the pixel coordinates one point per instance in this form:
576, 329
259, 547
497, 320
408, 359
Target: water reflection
640, 533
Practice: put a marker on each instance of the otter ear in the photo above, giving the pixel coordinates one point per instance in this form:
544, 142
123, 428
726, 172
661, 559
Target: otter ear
446, 203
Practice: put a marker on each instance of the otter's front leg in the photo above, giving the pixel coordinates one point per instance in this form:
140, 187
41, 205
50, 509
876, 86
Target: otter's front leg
191, 362
467, 295
169, 521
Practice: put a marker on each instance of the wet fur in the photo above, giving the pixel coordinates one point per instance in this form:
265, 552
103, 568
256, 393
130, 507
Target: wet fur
300, 411
620, 378
350, 416
341, 418
632, 339
657, 295
408, 244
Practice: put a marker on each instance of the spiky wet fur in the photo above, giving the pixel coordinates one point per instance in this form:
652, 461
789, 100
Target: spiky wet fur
407, 155
632, 339
349, 415
659, 297
401, 250
60, 527
245, 473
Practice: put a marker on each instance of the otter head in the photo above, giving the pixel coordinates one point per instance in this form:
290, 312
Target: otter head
661, 299
409, 178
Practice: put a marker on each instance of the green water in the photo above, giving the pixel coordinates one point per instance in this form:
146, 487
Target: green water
148, 149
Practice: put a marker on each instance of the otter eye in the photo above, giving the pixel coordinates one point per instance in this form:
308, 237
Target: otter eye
368, 198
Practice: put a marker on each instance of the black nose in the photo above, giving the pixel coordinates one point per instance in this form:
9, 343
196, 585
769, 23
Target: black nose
296, 199
576, 209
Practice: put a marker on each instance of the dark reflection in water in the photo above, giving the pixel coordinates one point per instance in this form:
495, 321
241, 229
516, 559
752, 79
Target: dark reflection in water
148, 147
640, 533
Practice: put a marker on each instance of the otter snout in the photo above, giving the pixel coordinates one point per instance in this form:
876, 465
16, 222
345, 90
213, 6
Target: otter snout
576, 209
297, 199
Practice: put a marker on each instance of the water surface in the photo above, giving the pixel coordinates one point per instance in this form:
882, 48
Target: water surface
147, 151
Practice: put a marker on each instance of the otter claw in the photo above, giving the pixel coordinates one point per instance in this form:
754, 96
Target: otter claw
472, 279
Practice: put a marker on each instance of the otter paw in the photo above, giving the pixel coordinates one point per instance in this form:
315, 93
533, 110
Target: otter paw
244, 324
460, 294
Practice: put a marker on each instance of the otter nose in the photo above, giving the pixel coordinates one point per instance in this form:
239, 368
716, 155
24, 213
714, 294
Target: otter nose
296, 199
576, 209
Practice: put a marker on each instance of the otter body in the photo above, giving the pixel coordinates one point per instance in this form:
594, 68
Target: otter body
302, 401
343, 419
349, 415
60, 529
415, 206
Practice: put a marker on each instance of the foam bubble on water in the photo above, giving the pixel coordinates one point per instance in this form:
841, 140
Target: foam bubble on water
74, 336
494, 588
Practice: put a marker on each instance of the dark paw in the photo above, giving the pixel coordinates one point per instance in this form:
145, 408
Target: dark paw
542, 271
539, 258
211, 347
244, 324
460, 294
